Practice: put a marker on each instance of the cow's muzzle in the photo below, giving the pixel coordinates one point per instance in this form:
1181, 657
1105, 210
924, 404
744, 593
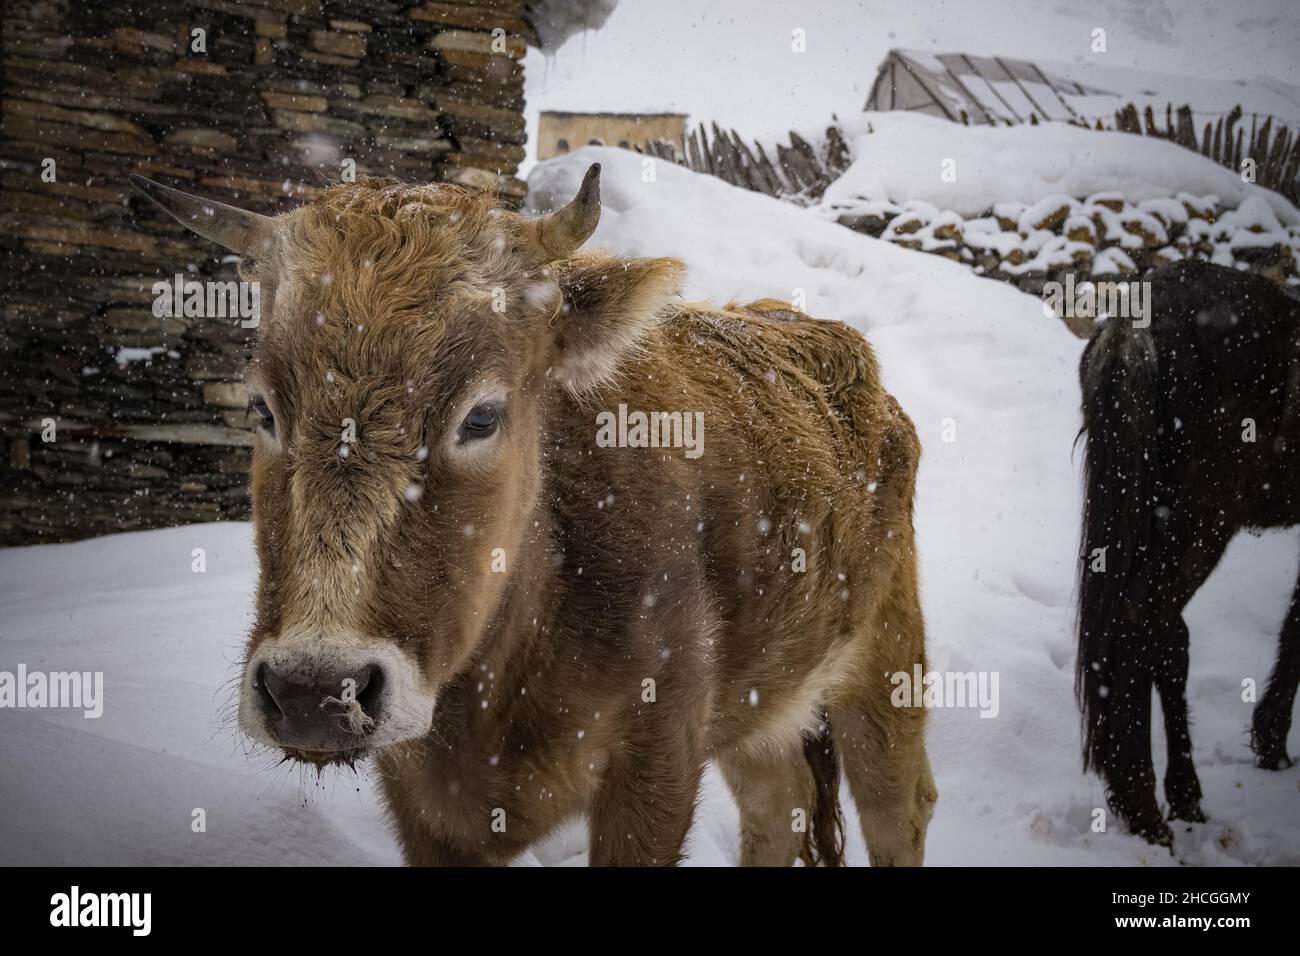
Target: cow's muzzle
320, 713
328, 699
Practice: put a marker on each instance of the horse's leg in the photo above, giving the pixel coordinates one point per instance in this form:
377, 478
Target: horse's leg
1273, 713
1126, 764
1141, 654
1182, 786
1187, 572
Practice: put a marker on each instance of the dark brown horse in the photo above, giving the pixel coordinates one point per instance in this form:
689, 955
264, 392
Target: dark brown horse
1192, 430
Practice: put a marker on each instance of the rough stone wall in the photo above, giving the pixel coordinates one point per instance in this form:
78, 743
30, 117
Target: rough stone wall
1101, 238
114, 419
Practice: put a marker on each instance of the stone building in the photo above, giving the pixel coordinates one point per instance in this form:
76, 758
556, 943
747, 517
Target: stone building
557, 132
113, 418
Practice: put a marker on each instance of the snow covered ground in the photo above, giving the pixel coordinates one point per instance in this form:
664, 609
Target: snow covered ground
997, 514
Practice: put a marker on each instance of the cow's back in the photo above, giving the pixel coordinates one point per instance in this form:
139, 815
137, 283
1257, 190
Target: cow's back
790, 514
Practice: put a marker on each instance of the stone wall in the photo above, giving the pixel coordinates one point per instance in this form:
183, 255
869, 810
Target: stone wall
1101, 238
114, 419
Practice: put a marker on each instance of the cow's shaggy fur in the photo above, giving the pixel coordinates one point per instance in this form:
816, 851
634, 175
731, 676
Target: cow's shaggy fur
562, 627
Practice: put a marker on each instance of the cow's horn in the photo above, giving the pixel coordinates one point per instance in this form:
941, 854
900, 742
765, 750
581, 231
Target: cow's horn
239, 230
560, 233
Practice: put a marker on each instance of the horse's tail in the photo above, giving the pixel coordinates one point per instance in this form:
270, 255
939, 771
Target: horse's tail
1119, 377
823, 840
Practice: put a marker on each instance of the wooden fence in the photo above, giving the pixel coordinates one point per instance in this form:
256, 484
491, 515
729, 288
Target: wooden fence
802, 172
1276, 152
799, 171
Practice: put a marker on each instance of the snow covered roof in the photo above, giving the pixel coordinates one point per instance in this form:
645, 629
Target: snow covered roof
1000, 90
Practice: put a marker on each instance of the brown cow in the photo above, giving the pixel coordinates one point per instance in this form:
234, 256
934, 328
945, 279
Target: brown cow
521, 622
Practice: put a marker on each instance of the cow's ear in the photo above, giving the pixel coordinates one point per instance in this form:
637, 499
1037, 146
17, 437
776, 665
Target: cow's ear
609, 305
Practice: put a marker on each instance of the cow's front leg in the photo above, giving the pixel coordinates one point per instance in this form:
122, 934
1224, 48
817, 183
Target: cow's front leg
642, 807
404, 775
423, 848
642, 811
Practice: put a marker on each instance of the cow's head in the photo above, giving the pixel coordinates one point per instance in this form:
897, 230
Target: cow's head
408, 336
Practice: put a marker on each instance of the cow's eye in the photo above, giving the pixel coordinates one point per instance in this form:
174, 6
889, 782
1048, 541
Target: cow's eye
263, 411
481, 422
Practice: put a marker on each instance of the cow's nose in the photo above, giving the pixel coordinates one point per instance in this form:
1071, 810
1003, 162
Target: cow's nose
320, 711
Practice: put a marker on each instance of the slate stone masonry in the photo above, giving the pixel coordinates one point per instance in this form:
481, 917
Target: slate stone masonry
149, 423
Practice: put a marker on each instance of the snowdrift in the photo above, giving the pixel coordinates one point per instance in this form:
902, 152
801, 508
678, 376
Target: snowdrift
902, 157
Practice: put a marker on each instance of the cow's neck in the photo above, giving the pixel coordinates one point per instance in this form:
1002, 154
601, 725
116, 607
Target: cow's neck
506, 655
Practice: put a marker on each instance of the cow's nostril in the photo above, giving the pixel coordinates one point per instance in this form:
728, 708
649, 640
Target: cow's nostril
370, 687
263, 682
